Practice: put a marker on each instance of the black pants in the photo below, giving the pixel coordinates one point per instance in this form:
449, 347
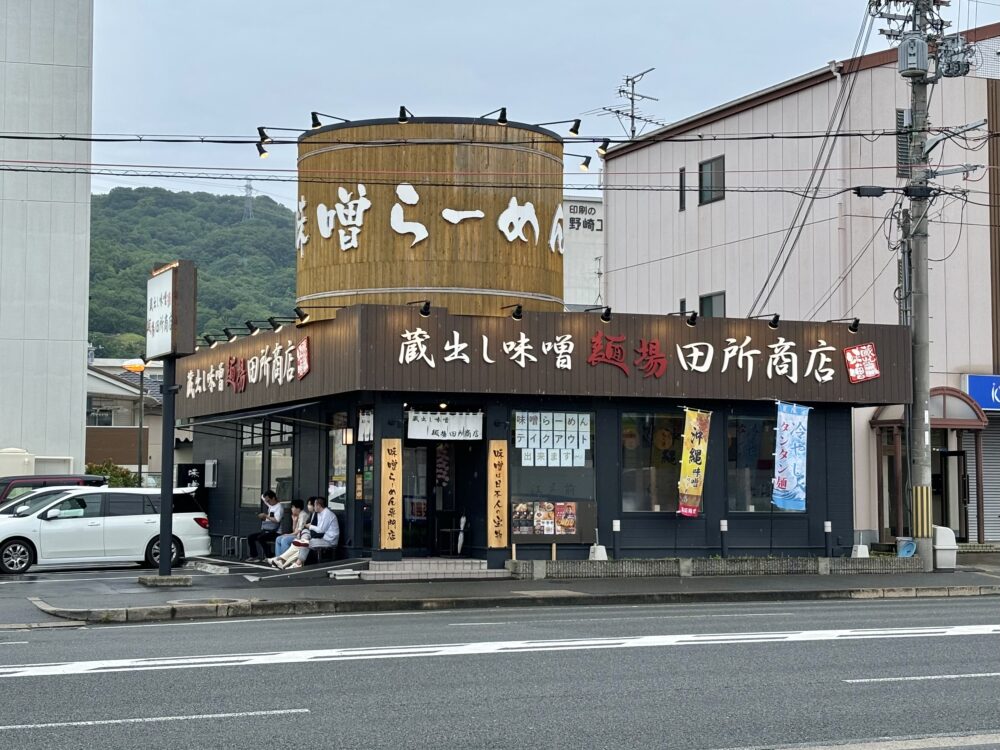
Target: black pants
255, 542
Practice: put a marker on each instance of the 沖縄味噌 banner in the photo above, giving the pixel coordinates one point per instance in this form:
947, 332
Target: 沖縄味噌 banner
693, 461
789, 491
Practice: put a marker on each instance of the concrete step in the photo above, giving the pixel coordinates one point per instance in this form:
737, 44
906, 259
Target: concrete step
428, 564
416, 575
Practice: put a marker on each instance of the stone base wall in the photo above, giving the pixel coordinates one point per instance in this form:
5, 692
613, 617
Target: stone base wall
710, 566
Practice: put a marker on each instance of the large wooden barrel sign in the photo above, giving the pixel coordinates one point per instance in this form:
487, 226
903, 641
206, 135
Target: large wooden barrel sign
465, 213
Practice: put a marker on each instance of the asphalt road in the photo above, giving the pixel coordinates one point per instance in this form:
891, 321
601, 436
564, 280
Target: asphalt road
770, 675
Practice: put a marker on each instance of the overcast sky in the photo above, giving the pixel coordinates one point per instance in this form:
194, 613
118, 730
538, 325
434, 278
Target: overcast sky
223, 67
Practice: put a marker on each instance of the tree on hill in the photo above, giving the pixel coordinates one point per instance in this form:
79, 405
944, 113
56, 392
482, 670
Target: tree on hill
246, 269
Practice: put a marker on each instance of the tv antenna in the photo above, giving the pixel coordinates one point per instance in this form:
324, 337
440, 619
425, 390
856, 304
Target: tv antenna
630, 110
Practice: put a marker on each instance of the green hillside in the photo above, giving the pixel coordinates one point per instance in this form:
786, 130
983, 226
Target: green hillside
246, 269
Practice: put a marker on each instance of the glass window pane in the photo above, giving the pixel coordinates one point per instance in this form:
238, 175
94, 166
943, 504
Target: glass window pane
120, 504
556, 463
750, 463
250, 484
936, 407
337, 468
281, 472
651, 461
81, 506
958, 409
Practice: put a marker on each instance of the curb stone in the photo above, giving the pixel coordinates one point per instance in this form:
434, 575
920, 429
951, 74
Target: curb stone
263, 608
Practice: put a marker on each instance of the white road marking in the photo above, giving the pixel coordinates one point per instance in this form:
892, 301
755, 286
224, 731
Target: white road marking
892, 743
547, 620
480, 648
923, 678
154, 719
12, 643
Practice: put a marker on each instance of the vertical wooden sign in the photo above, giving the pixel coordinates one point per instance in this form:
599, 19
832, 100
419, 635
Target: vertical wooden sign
391, 508
496, 494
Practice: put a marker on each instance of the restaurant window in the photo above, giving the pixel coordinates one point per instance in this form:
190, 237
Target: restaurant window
750, 463
712, 305
712, 180
651, 461
551, 471
336, 473
280, 472
252, 464
681, 188
251, 478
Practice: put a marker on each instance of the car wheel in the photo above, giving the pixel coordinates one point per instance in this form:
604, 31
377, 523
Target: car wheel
15, 556
153, 552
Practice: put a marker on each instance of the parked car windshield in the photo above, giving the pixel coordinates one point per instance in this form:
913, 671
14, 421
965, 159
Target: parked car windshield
37, 495
34, 502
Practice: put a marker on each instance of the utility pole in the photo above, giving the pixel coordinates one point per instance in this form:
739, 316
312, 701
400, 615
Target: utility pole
920, 421
248, 202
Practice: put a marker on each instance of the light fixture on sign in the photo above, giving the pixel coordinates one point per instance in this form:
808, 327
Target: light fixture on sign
605, 312
232, 334
443, 405
264, 137
316, 115
501, 118
404, 115
253, 327
573, 130
278, 323
854, 327
425, 306
261, 151
517, 313
773, 322
584, 165
603, 148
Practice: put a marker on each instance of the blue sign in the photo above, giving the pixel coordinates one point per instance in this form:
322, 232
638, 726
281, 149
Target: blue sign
984, 390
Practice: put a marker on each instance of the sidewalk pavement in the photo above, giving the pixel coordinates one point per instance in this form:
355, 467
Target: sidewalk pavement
212, 596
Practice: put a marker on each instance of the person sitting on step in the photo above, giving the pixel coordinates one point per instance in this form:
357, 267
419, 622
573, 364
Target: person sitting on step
325, 531
299, 520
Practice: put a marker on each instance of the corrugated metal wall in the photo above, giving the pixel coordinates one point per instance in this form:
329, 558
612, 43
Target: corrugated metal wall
991, 480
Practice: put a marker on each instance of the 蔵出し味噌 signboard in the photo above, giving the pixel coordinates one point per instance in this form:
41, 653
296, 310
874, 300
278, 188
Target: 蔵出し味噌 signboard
394, 348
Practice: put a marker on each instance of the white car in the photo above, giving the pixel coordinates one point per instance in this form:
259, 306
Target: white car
89, 525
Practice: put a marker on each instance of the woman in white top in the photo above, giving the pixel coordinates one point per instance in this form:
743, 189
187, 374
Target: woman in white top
299, 520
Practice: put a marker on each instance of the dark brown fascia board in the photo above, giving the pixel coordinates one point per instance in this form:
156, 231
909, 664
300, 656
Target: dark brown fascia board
816, 77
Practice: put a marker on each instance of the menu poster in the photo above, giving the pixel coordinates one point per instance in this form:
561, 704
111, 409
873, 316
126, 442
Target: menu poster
553, 437
522, 518
565, 518
545, 518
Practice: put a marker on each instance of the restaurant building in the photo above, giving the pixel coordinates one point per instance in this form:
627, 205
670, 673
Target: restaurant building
437, 385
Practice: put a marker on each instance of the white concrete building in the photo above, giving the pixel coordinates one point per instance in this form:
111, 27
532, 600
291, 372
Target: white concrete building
716, 238
45, 87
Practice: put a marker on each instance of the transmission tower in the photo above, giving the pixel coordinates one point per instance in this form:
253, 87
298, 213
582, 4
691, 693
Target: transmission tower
248, 202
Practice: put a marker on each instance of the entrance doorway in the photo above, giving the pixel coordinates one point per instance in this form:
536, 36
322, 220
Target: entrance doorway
950, 491
442, 483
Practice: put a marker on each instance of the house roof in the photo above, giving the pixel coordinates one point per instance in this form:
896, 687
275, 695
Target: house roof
786, 88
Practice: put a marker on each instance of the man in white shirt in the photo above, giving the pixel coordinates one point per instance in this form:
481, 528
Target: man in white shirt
270, 523
325, 531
